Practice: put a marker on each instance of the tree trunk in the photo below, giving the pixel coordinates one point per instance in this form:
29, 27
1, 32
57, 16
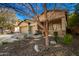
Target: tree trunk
46, 39
46, 35
45, 30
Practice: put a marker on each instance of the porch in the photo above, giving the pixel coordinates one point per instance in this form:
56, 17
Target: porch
56, 25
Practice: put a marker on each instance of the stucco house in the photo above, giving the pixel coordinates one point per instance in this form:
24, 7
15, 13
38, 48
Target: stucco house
56, 21
22, 26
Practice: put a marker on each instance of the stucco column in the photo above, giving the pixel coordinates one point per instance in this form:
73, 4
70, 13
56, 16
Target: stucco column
34, 27
64, 25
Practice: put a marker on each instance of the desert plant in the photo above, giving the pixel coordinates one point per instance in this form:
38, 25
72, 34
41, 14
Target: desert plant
3, 43
67, 39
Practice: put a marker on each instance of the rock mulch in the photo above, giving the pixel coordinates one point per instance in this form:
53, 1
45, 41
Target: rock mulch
26, 48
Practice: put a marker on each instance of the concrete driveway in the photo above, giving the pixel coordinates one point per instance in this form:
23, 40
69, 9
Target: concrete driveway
7, 38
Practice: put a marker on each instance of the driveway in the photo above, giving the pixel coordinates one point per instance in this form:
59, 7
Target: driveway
7, 38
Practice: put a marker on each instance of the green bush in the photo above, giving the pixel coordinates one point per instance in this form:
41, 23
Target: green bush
67, 39
4, 43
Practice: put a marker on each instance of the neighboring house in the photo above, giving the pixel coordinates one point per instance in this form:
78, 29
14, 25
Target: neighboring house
27, 26
56, 21
22, 26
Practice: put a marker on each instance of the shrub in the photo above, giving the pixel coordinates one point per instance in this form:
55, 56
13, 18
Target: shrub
67, 39
3, 43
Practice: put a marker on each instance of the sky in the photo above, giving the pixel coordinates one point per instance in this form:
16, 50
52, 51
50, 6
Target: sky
22, 9
21, 17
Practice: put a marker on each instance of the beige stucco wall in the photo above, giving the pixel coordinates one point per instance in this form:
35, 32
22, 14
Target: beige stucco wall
60, 27
54, 28
34, 27
51, 15
24, 29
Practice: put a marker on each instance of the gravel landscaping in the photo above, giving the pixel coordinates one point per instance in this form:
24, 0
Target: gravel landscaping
33, 47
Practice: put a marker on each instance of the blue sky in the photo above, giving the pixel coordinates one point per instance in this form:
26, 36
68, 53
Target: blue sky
21, 17
20, 7
50, 7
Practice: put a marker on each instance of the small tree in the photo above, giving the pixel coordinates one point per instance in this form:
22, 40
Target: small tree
4, 24
73, 20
